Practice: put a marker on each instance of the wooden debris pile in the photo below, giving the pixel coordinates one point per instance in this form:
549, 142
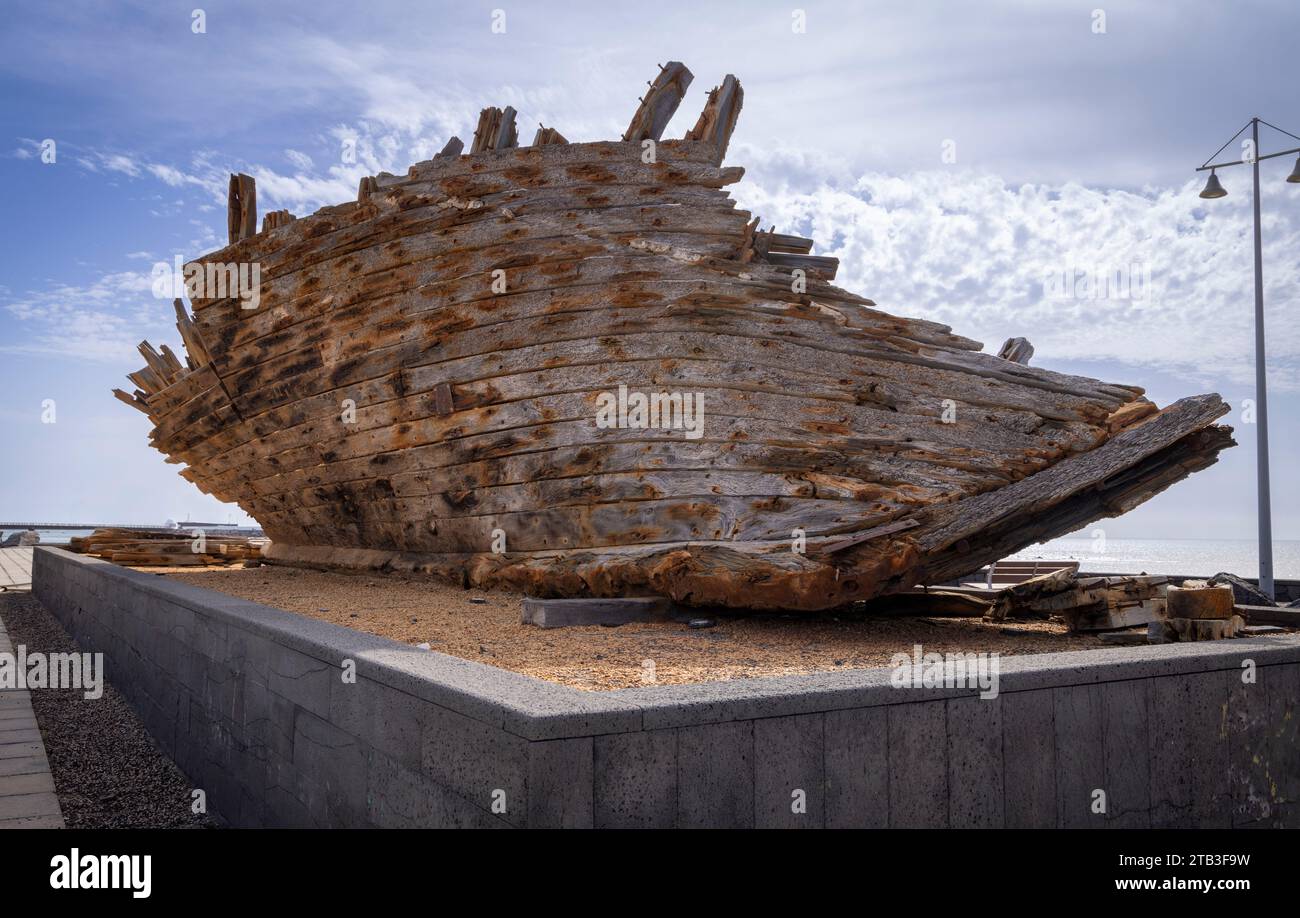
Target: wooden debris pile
1196, 610
166, 548
1085, 603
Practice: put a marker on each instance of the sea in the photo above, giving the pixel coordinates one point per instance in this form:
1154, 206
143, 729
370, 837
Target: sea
50, 536
1195, 557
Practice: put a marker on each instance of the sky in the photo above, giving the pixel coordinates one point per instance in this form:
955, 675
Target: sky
979, 164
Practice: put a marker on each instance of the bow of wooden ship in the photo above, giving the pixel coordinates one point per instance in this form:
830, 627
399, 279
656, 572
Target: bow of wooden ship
417, 389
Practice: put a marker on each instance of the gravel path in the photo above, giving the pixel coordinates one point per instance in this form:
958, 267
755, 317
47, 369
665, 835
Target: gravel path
108, 773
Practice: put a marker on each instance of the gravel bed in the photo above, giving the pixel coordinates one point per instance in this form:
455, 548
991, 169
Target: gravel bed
108, 773
485, 626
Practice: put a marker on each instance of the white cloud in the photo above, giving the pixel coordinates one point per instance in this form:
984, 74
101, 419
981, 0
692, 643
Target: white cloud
116, 162
968, 250
102, 320
168, 174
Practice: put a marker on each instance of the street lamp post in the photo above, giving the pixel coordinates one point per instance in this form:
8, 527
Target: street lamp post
1213, 189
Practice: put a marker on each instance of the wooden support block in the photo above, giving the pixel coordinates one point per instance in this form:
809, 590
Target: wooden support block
1200, 629
569, 613
1203, 603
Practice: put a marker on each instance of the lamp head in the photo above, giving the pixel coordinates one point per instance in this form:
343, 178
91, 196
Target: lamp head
1294, 177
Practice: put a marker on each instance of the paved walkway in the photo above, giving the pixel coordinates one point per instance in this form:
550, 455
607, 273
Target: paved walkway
15, 567
27, 799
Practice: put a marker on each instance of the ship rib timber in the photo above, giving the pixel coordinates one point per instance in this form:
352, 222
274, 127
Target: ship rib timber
422, 382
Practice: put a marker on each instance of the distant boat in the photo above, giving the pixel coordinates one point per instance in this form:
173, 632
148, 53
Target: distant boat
577, 369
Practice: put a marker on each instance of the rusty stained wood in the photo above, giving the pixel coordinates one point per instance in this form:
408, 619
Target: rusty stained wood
475, 310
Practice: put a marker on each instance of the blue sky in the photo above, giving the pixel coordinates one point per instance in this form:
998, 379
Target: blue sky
954, 155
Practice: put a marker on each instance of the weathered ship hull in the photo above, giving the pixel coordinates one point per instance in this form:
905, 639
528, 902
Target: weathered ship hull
420, 388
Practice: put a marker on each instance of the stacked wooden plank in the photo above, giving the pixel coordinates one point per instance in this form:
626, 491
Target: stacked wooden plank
166, 547
417, 389
1085, 603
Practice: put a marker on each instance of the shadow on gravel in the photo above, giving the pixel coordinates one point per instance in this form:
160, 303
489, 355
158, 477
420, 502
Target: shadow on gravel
108, 772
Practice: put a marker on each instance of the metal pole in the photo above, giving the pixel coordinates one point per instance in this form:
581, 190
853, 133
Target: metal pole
1261, 400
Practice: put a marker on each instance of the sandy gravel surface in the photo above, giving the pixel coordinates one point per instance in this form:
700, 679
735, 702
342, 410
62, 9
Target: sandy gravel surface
597, 658
108, 773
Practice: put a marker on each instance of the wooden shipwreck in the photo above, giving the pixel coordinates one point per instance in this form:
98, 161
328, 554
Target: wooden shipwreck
416, 385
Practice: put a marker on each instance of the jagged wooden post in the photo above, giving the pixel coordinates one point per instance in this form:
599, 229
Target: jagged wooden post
194, 347
718, 119
660, 103
496, 130
241, 207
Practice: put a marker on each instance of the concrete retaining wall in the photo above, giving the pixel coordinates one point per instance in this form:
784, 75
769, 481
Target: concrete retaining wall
255, 705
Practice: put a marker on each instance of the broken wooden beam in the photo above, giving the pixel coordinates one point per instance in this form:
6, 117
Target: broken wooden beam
660, 102
783, 242
1269, 615
190, 336
133, 400
825, 265
718, 119
277, 218
496, 130
451, 150
546, 136
1017, 350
